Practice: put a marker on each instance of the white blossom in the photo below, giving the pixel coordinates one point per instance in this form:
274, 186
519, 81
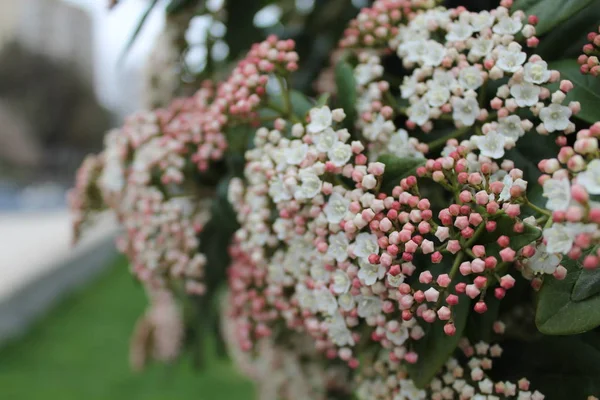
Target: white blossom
399, 336
346, 301
481, 20
508, 184
338, 246
435, 53
459, 31
526, 94
481, 47
510, 60
365, 73
339, 154
490, 145
336, 208
470, 78
555, 117
341, 282
365, 244
368, 306
536, 72
419, 112
511, 127
278, 191
311, 185
409, 391
326, 301
338, 331
465, 110
590, 178
400, 145
325, 140
543, 262
558, 238
295, 153
558, 192
408, 87
508, 25
370, 273
395, 281
320, 119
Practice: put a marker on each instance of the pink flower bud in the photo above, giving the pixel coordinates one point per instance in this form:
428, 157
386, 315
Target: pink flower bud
507, 254
480, 307
475, 219
436, 257
478, 250
432, 295
444, 313
452, 299
480, 282
507, 282
453, 246
443, 280
472, 291
499, 293
478, 265
449, 329
560, 273
465, 268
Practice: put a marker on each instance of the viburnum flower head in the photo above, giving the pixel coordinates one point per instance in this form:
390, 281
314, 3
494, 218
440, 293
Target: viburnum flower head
543, 262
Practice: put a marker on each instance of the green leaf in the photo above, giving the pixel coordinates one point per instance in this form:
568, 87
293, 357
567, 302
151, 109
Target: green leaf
586, 89
480, 326
397, 168
301, 104
551, 13
562, 312
137, 30
566, 367
587, 285
176, 6
435, 347
346, 91
323, 99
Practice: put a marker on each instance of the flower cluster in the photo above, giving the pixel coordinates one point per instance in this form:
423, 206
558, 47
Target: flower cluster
589, 59
570, 182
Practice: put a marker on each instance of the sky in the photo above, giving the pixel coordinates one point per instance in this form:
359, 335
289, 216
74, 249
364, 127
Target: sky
119, 86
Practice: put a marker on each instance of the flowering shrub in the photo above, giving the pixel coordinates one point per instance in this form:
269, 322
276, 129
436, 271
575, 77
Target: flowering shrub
423, 234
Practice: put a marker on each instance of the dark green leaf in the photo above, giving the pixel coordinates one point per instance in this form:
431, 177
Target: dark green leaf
323, 99
176, 6
435, 347
397, 168
480, 326
571, 35
561, 368
586, 90
551, 13
558, 311
346, 90
137, 30
300, 103
587, 285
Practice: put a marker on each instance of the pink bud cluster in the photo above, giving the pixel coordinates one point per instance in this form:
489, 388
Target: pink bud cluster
591, 51
84, 199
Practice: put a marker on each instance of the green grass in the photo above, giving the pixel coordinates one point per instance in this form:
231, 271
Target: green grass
79, 352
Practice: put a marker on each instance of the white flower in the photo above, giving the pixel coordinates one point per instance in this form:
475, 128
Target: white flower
443, 78
368, 306
419, 112
408, 87
536, 72
459, 31
278, 191
320, 119
437, 96
511, 60
558, 239
508, 26
398, 337
339, 154
326, 302
336, 208
395, 281
465, 110
311, 185
434, 54
341, 282
319, 273
490, 145
555, 117
365, 73
481, 20
558, 192
338, 246
400, 145
378, 127
408, 391
325, 140
413, 50
370, 273
306, 298
508, 184
525, 94
365, 244
543, 262
338, 331
481, 47
346, 301
511, 127
113, 174
296, 153
590, 178
470, 78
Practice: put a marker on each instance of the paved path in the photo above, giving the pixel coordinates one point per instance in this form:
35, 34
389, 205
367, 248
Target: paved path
38, 265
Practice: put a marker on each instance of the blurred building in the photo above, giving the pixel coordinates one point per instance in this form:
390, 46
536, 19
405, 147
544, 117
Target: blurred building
52, 28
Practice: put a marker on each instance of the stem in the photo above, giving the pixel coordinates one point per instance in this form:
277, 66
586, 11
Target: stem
452, 135
476, 235
286, 95
536, 208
